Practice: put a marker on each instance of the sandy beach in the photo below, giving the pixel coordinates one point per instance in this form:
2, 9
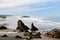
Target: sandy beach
11, 36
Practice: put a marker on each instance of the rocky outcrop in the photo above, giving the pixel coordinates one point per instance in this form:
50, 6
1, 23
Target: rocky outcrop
33, 28
55, 33
3, 27
21, 26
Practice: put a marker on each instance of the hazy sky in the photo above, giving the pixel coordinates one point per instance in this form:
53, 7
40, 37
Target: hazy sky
30, 7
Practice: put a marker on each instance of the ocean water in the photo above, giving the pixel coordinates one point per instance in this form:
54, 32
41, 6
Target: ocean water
40, 23
11, 38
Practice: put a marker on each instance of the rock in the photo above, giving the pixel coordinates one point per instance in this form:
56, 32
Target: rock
21, 26
18, 37
33, 28
3, 27
4, 35
3, 16
33, 35
37, 35
25, 17
27, 33
55, 33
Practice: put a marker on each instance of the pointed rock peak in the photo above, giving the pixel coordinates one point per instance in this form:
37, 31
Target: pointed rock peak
32, 24
33, 28
22, 26
20, 23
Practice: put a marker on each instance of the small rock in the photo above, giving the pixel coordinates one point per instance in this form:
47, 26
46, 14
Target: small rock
4, 35
18, 37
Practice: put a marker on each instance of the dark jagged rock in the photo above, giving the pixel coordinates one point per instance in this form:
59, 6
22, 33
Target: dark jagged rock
3, 27
33, 35
4, 35
33, 28
18, 37
22, 27
55, 33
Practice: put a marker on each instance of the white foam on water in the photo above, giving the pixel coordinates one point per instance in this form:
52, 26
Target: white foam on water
40, 23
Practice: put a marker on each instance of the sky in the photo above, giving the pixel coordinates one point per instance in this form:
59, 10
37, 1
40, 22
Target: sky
45, 8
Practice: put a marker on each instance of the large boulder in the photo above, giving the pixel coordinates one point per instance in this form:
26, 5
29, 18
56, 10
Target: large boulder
55, 33
21, 26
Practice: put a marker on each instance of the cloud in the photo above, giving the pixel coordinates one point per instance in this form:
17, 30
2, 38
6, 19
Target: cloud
22, 10
23, 6
42, 8
11, 3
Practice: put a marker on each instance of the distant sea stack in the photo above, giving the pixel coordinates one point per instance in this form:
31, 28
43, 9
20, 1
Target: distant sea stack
21, 26
55, 33
2, 16
25, 16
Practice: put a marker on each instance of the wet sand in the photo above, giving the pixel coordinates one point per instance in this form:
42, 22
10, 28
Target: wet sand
11, 36
21, 34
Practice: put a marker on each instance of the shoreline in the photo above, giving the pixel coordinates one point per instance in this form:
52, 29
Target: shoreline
12, 36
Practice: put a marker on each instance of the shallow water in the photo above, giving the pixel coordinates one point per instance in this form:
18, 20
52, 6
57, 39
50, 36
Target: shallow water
10, 38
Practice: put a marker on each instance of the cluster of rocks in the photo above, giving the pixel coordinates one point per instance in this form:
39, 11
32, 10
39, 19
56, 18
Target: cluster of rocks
55, 33
23, 28
33, 35
16, 37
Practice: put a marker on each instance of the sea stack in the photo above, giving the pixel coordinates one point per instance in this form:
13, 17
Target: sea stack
21, 26
33, 28
25, 16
